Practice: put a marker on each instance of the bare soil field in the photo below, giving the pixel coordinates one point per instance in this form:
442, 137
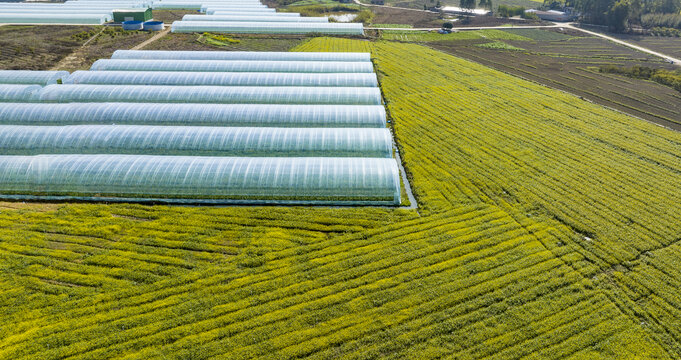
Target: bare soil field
571, 65
37, 47
102, 46
666, 45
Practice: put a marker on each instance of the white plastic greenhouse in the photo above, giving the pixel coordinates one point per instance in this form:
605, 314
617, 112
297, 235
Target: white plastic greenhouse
234, 66
50, 18
220, 79
31, 77
210, 94
267, 28
207, 7
214, 11
17, 93
188, 5
241, 55
297, 180
195, 141
255, 18
335, 116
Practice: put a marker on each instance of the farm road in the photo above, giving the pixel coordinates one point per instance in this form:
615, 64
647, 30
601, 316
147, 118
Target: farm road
675, 61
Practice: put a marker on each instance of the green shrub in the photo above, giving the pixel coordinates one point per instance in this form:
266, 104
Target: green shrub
364, 16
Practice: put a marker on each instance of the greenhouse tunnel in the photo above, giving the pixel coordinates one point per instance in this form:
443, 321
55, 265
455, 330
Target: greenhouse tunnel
334, 116
195, 141
351, 181
32, 77
221, 78
234, 66
251, 18
17, 93
209, 94
267, 28
240, 55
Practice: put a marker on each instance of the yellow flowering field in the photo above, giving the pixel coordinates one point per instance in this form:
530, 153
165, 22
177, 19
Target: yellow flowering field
546, 227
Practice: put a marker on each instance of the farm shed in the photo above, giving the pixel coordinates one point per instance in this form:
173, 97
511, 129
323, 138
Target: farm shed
195, 141
267, 28
234, 66
31, 77
222, 78
141, 14
331, 180
241, 55
336, 116
209, 94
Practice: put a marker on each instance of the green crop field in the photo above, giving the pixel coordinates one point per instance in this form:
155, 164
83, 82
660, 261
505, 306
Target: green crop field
547, 227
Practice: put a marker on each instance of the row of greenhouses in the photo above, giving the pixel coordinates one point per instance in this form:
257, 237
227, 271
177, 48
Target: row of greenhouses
80, 12
236, 27
269, 136
249, 17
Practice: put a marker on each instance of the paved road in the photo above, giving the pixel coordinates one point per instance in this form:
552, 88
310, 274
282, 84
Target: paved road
621, 42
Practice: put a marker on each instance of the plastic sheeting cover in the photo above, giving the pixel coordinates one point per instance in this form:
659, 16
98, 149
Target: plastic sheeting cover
194, 5
221, 78
14, 93
39, 18
208, 7
210, 179
255, 18
355, 116
240, 55
210, 94
31, 77
248, 13
266, 28
234, 66
195, 141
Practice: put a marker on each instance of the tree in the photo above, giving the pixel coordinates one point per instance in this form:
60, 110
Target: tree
485, 4
447, 25
618, 15
467, 4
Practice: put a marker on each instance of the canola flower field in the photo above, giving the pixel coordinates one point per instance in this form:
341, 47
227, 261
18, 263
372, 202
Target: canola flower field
547, 227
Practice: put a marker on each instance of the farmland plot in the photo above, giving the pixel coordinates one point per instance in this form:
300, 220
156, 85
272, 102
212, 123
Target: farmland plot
546, 228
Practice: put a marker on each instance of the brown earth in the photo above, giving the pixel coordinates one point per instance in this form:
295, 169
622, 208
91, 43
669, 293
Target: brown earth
37, 47
572, 66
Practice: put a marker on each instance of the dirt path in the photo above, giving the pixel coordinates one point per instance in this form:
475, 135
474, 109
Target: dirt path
74, 59
621, 42
152, 39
